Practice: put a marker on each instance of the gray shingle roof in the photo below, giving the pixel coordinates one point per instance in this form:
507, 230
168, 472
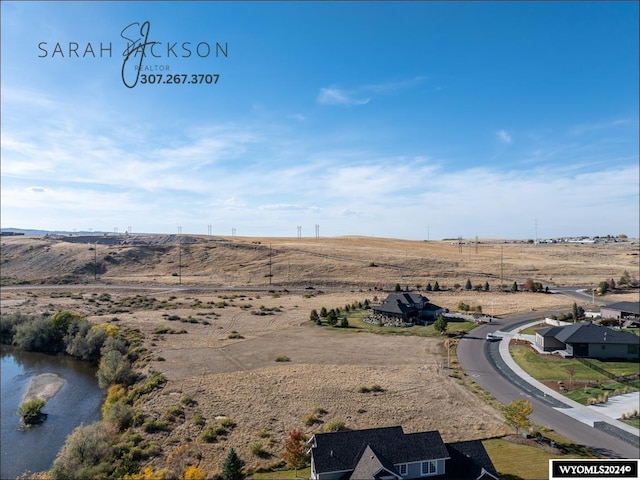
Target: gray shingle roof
592, 333
469, 459
626, 307
371, 464
549, 331
341, 451
402, 303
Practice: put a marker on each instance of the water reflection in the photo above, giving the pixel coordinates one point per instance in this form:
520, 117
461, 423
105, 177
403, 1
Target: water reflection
79, 401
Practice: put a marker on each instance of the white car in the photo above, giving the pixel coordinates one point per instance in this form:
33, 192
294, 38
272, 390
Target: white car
492, 336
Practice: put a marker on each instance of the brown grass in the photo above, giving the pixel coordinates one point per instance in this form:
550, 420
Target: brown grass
239, 377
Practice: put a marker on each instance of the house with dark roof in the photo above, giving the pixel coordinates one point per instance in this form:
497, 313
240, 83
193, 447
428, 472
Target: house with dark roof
390, 454
408, 307
587, 339
623, 311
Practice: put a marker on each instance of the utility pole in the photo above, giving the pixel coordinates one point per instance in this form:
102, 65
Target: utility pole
179, 262
299, 232
95, 262
209, 229
270, 265
501, 264
317, 231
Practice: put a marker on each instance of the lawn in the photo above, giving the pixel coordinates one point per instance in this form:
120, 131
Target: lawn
356, 323
547, 367
514, 461
532, 329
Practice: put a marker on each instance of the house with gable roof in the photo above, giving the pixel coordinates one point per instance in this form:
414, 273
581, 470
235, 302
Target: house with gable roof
587, 339
408, 307
390, 454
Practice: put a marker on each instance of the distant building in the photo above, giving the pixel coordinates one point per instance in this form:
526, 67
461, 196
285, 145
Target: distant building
621, 311
409, 308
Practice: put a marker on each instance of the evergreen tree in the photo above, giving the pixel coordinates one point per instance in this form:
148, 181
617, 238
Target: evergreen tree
514, 287
398, 288
468, 286
232, 467
436, 287
323, 312
486, 286
440, 324
314, 317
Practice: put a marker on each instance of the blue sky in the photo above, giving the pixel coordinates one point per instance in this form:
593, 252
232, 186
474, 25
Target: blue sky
406, 120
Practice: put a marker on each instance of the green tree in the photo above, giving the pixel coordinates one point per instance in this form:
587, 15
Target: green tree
31, 411
468, 286
514, 287
323, 312
429, 287
625, 279
516, 414
114, 369
232, 467
85, 454
436, 287
38, 335
314, 317
440, 325
295, 449
398, 288
574, 312
604, 287
486, 286
332, 317
344, 323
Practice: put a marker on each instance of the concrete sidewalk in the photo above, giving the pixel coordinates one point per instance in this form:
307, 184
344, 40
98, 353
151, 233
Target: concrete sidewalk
608, 412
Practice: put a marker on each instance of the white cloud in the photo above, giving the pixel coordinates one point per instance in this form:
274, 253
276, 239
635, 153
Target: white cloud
361, 95
336, 96
504, 137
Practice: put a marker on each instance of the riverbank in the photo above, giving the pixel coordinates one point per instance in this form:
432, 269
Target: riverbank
44, 387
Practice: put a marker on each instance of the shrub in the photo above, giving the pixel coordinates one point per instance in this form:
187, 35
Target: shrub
282, 358
198, 419
119, 414
212, 432
334, 426
152, 426
173, 413
193, 473
188, 401
226, 422
257, 449
263, 433
31, 411
310, 419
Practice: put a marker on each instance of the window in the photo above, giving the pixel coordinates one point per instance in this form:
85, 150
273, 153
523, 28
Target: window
429, 468
402, 468
631, 349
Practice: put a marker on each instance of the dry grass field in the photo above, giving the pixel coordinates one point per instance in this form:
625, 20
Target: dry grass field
236, 324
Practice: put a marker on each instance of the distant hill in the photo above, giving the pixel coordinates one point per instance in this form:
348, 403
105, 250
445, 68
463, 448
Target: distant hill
23, 231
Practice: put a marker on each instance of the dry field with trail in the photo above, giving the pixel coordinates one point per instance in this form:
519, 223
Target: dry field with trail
236, 325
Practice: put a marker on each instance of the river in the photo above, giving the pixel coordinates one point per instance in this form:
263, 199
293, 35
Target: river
34, 449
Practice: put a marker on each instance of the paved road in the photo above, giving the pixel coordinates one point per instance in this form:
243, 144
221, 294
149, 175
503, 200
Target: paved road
474, 354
